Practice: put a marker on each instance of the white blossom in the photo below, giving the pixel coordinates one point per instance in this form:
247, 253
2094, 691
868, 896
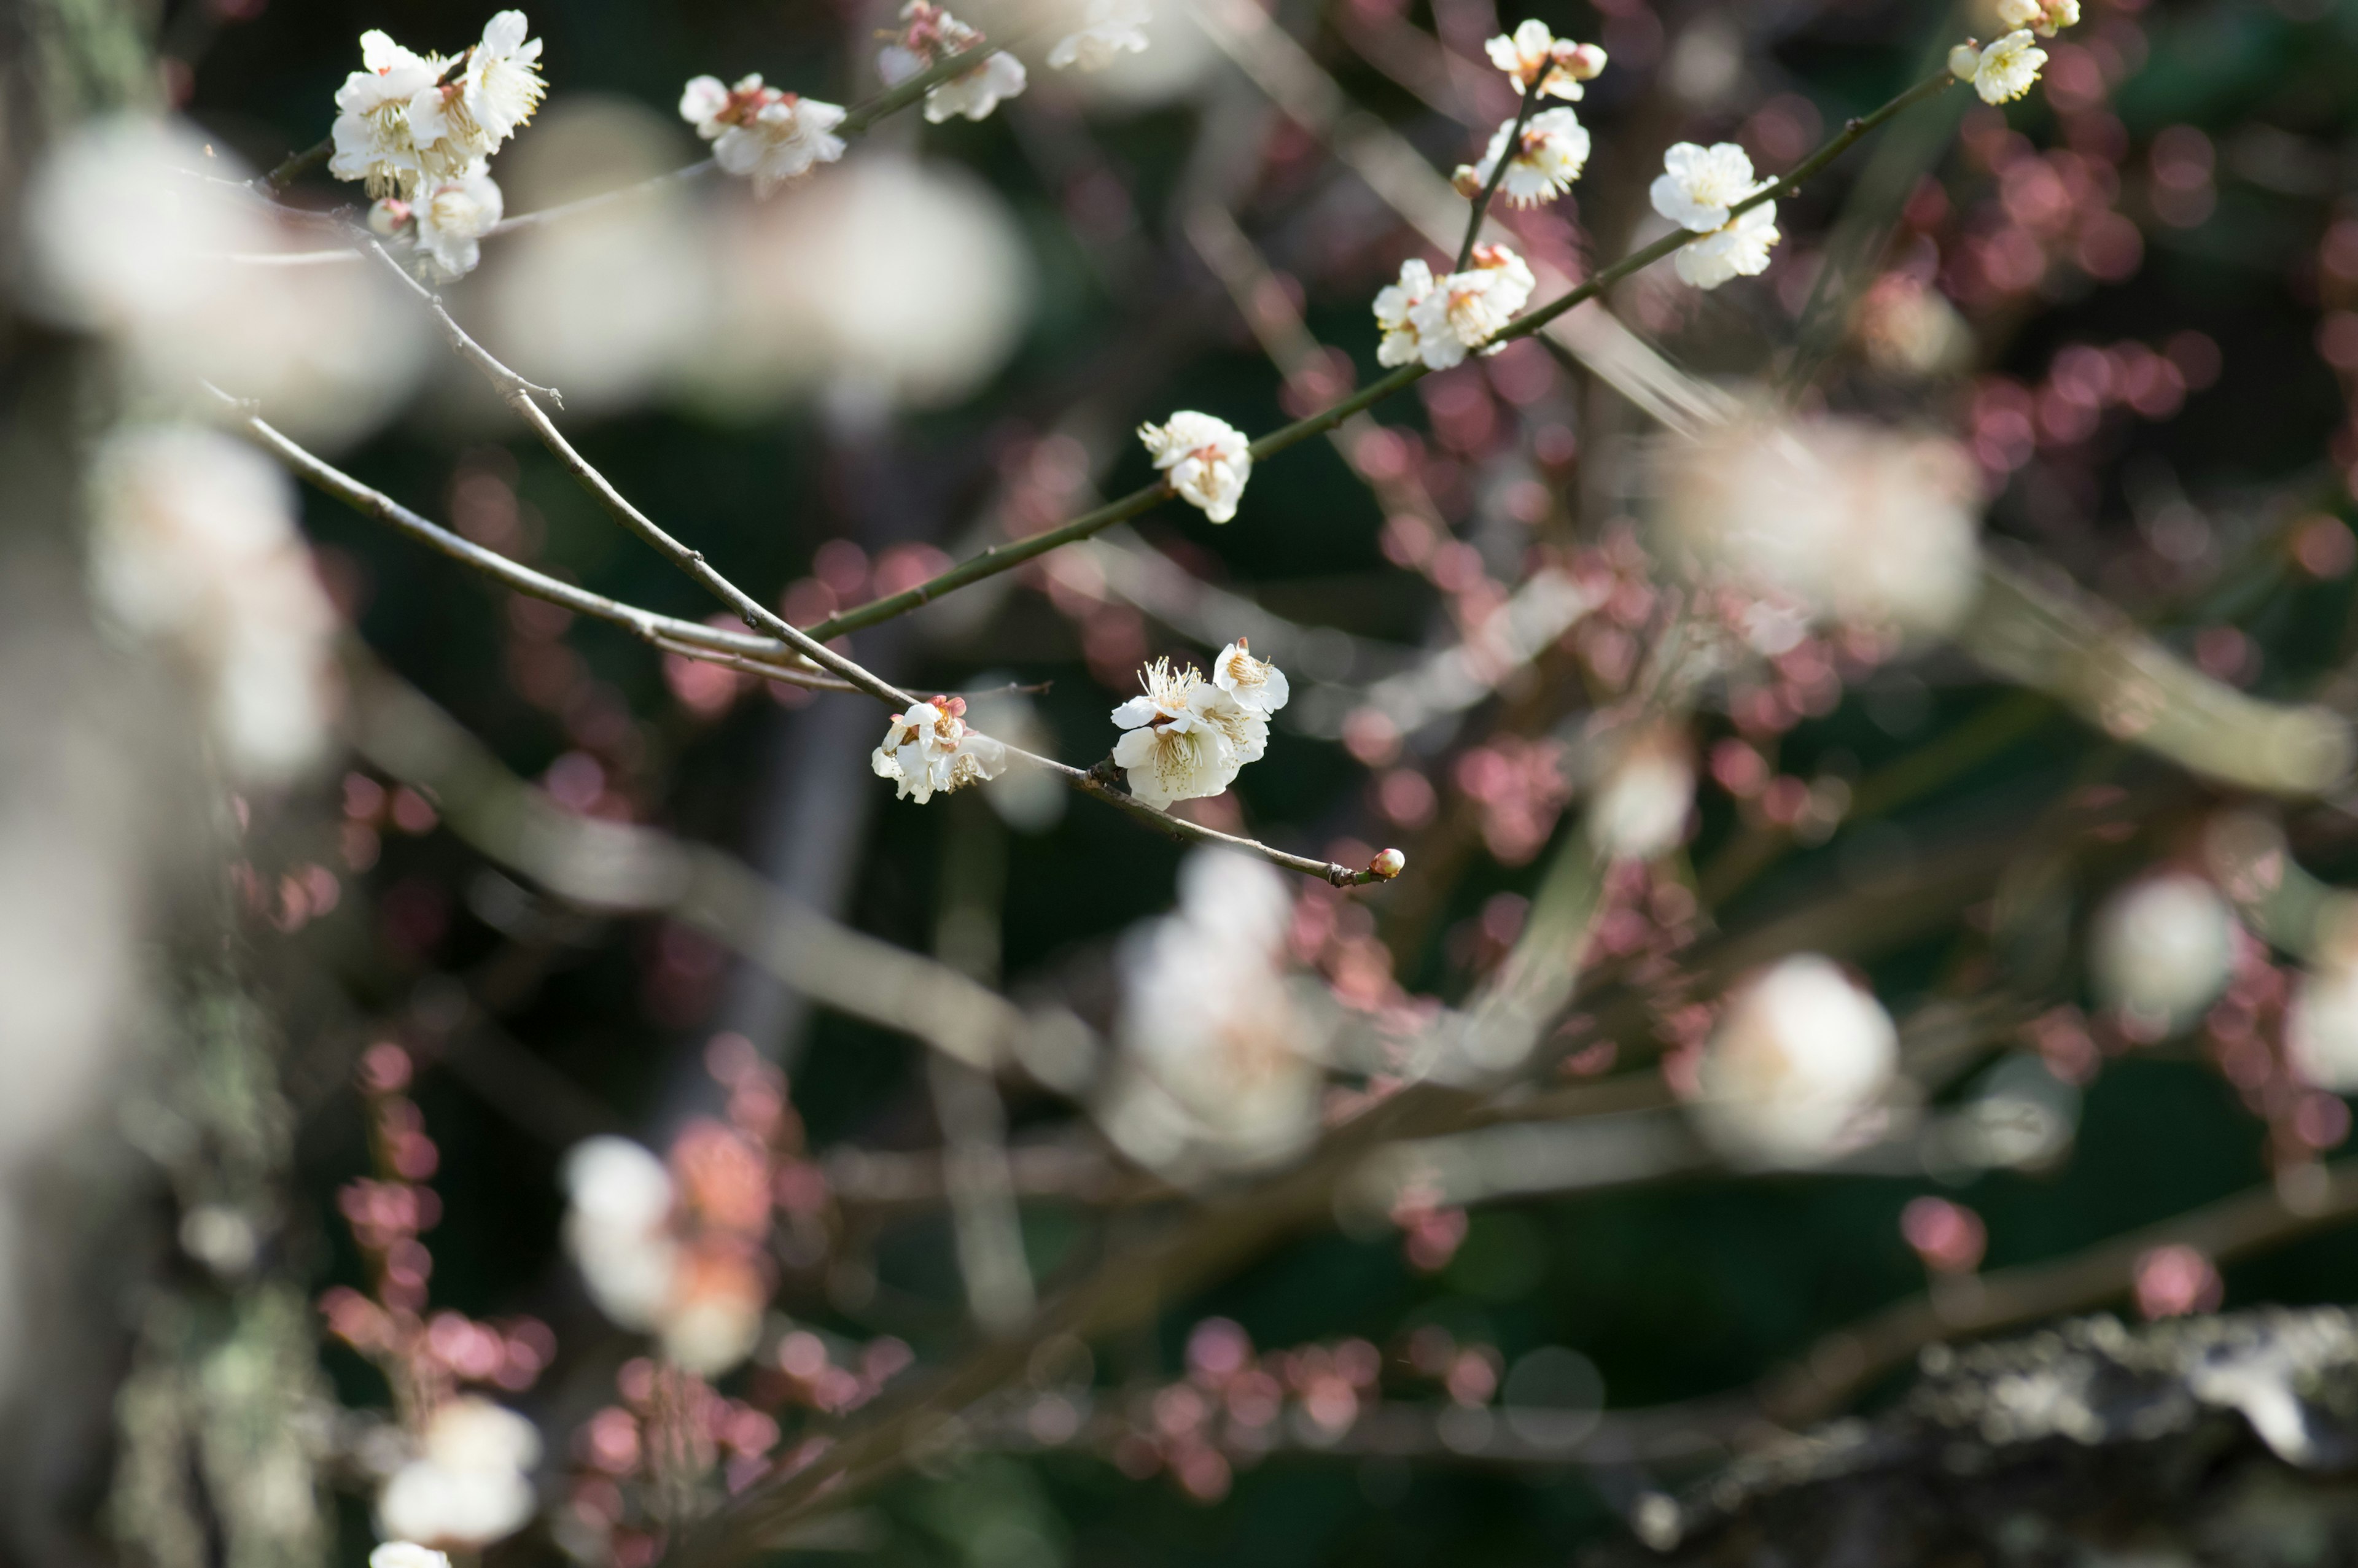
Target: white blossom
1109, 28
1180, 739
452, 217
1640, 811
1857, 523
407, 1554
468, 1486
371, 135
502, 85
761, 132
1549, 157
1208, 461
2003, 72
2322, 1027
1801, 1057
929, 750
2162, 947
930, 35
193, 543
1252, 684
2045, 17
1440, 321
1395, 314
1740, 249
1531, 51
1698, 184
617, 1227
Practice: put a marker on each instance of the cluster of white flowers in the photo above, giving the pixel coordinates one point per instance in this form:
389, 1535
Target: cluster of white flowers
194, 547
620, 1227
760, 132
1109, 29
1696, 189
930, 35
1218, 1066
1533, 56
1208, 461
2162, 948
1801, 1059
421, 136
1186, 737
470, 1484
1554, 147
929, 750
1441, 320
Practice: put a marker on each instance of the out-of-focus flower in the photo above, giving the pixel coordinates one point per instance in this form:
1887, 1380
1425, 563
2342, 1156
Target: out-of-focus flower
371, 135
929, 750
193, 545
617, 1228
930, 35
627, 1226
452, 217
1860, 524
1031, 800
130, 234
1253, 684
1549, 157
1208, 461
1219, 1050
1531, 53
2045, 17
2162, 947
2004, 70
470, 1484
1740, 249
1173, 747
406, 1554
1110, 29
1698, 184
761, 132
1440, 321
1640, 807
1800, 1056
1907, 329
2322, 1027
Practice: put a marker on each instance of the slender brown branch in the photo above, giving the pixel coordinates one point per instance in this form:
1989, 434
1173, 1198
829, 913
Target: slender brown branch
292, 166
1507, 151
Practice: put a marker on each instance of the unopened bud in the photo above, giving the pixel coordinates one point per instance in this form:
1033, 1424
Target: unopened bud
1387, 864
388, 217
1963, 61
1468, 183
1582, 63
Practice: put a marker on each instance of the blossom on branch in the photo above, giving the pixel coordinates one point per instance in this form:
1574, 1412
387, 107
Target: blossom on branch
1801, 1056
1533, 54
1208, 461
406, 1554
929, 750
470, 1484
1439, 322
2002, 72
761, 132
1740, 249
2162, 948
1549, 155
930, 35
403, 121
1698, 185
1252, 684
452, 217
1110, 29
2045, 17
1182, 736
372, 130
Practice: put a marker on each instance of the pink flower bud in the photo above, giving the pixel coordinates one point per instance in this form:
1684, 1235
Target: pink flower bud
1387, 864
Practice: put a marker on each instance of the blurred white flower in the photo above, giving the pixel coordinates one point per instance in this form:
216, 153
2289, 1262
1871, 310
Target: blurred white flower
1109, 28
1640, 811
2045, 17
1255, 685
1031, 800
1801, 1057
1531, 50
2004, 70
193, 545
1208, 461
371, 135
929, 750
1549, 157
1439, 321
760, 132
617, 1227
2321, 1026
452, 216
470, 1484
930, 35
716, 1323
1219, 1050
1860, 524
1740, 249
2162, 947
1698, 184
134, 230
975, 93
1172, 748
406, 1554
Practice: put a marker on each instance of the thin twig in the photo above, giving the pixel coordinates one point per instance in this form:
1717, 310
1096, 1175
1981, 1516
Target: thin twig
292, 166
1507, 151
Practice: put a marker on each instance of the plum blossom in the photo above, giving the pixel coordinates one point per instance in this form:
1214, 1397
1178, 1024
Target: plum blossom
617, 1228
2321, 1028
1549, 155
930, 35
452, 216
1698, 184
371, 135
1208, 461
761, 132
1799, 1058
1740, 249
929, 750
1640, 807
2045, 17
1252, 684
659, 1256
470, 1484
407, 1554
1110, 29
2003, 72
404, 120
1439, 321
1533, 54
1183, 735
2162, 947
